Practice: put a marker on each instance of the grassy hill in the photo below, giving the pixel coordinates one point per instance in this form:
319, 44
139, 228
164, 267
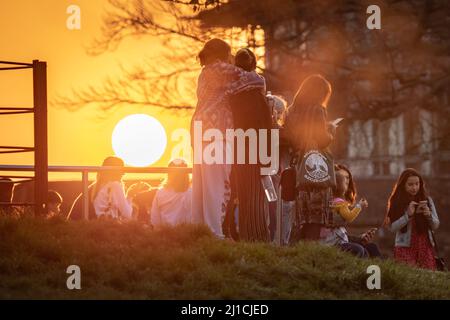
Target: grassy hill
129, 261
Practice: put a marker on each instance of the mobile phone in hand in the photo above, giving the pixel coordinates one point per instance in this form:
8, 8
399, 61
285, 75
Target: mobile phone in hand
422, 206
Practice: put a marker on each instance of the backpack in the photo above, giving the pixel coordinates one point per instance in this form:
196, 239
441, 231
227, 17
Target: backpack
316, 171
309, 182
315, 180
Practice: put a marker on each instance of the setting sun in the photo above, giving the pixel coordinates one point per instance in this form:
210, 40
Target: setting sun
139, 139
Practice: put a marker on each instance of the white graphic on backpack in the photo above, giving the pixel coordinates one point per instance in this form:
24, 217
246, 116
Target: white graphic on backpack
316, 167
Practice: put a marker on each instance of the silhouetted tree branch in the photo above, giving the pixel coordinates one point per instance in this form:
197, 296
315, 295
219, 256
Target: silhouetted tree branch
377, 74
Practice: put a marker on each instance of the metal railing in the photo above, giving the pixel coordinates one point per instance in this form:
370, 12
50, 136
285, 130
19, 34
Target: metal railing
85, 170
39, 111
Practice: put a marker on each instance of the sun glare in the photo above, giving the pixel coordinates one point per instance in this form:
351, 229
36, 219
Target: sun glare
139, 139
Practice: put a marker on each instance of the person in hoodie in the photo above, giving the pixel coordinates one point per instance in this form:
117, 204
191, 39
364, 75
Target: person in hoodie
172, 203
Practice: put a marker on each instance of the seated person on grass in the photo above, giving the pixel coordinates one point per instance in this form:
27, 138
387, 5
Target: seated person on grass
344, 196
172, 203
54, 201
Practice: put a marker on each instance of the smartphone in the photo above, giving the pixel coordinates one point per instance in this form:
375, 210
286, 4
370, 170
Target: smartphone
422, 205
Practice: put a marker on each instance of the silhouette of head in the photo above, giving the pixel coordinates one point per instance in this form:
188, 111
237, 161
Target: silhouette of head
109, 175
314, 90
245, 59
178, 181
214, 50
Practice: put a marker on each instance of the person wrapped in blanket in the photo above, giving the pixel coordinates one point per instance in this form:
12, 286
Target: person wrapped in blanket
344, 212
218, 80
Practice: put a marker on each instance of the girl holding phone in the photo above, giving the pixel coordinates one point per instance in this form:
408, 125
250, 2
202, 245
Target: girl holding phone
411, 214
345, 211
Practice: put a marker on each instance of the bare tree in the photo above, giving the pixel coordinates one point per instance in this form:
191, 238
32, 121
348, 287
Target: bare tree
378, 74
167, 81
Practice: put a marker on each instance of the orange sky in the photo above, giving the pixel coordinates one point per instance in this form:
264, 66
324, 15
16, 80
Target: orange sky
32, 29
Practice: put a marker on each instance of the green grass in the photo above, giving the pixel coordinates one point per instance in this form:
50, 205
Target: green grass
129, 261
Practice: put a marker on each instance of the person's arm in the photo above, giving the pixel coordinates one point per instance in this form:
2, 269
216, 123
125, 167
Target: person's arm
405, 218
75, 212
348, 214
155, 214
237, 79
399, 223
433, 221
356, 239
287, 132
123, 204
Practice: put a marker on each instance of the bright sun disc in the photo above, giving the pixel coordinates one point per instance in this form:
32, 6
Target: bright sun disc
140, 140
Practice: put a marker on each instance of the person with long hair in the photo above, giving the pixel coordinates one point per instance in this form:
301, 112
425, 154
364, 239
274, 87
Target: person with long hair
172, 203
411, 214
306, 123
345, 210
306, 128
108, 194
218, 80
250, 111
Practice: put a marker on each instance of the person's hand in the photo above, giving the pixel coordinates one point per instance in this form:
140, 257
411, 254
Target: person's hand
426, 211
368, 236
332, 128
412, 208
363, 203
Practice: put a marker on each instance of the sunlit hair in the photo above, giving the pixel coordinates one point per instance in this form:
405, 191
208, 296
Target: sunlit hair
177, 181
103, 177
350, 193
400, 199
314, 90
307, 113
245, 59
213, 50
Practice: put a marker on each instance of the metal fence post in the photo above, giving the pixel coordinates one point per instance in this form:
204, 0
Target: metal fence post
85, 182
40, 136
